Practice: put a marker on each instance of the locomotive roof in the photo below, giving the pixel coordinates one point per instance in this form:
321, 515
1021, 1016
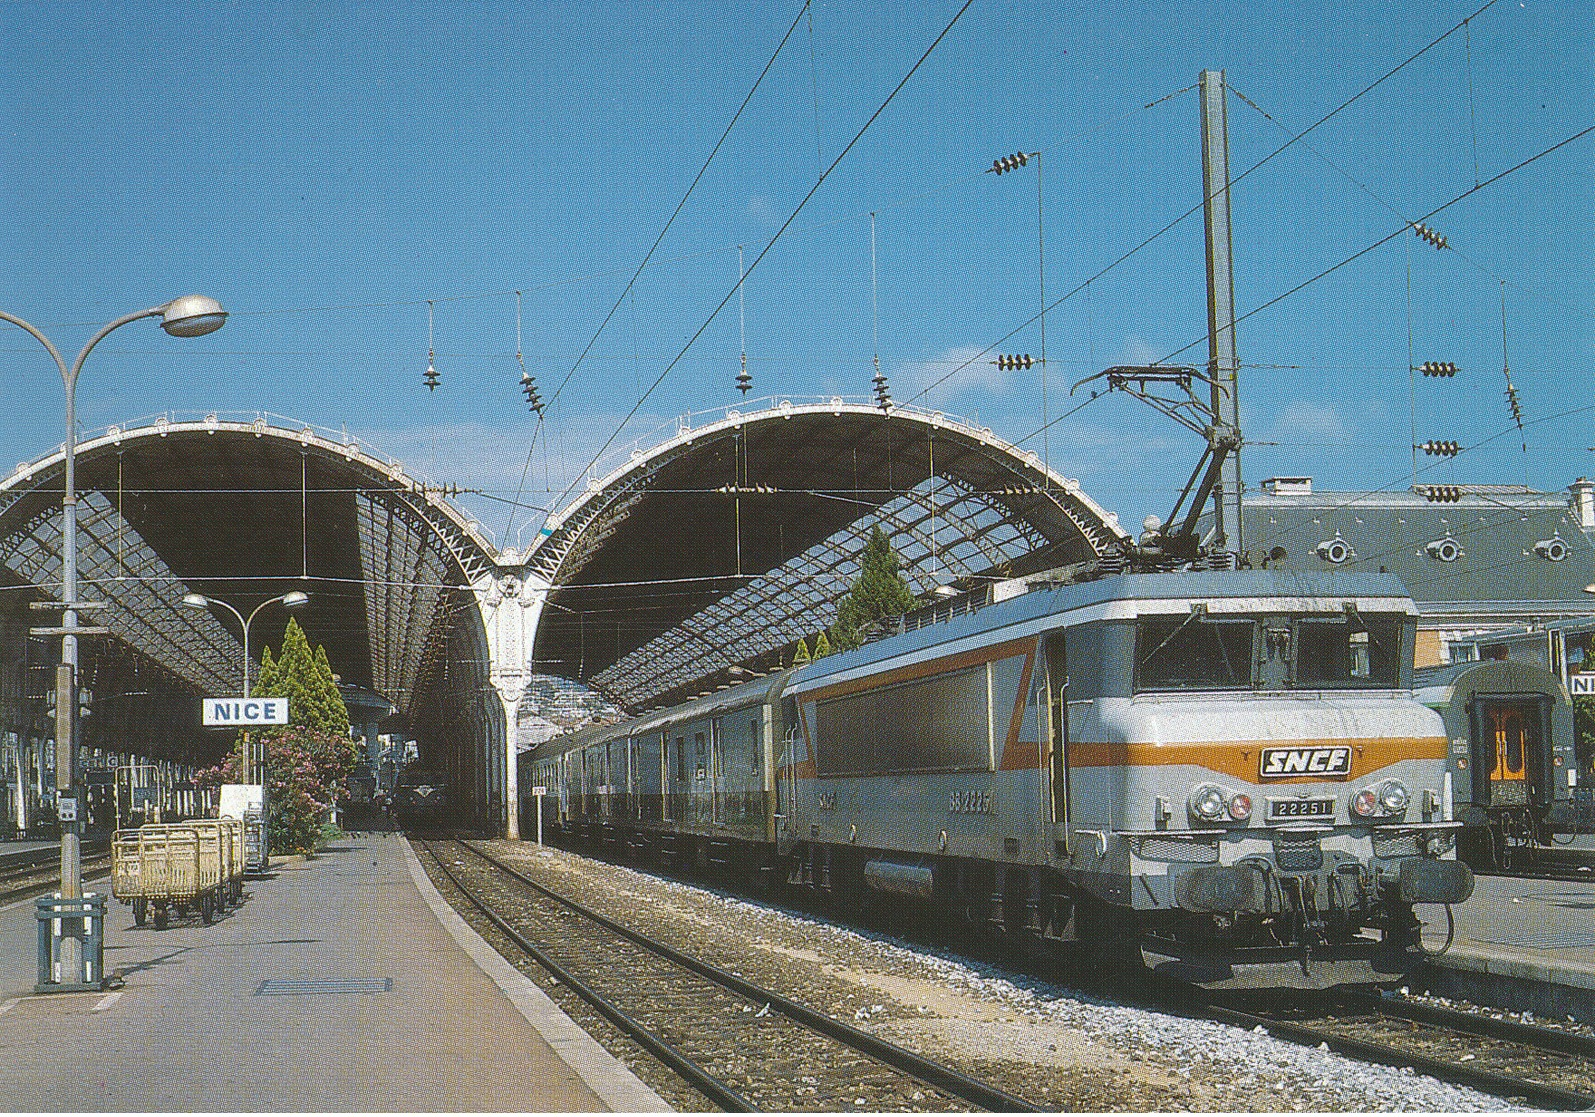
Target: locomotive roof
1244, 590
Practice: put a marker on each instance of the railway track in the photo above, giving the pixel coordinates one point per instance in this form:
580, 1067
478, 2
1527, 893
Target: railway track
25, 874
742, 1047
1541, 1067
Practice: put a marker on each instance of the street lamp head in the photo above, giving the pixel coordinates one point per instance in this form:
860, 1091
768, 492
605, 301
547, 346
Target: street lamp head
196, 600
294, 599
193, 316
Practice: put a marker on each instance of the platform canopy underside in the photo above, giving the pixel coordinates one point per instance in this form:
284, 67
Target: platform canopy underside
241, 512
715, 552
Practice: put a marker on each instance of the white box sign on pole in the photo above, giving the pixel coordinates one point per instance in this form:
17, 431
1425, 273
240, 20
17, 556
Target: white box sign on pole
245, 711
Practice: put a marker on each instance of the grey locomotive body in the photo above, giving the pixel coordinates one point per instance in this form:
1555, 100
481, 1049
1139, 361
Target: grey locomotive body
1226, 771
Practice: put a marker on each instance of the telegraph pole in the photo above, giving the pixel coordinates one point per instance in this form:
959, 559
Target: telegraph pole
1222, 363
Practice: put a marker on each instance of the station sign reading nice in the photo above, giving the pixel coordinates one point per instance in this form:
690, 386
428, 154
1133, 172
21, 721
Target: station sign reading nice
244, 711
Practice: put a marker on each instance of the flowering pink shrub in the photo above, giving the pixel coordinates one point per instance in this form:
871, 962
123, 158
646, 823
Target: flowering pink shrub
304, 770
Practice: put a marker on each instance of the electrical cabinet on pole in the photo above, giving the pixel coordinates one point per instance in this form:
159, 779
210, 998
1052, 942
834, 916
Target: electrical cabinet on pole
1222, 363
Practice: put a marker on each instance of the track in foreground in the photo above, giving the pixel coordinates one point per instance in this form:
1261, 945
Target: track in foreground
1541, 1067
743, 1047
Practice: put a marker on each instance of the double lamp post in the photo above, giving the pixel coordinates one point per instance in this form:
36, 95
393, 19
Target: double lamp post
188, 316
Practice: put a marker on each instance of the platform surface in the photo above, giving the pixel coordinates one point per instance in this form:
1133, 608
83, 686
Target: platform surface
1534, 932
341, 983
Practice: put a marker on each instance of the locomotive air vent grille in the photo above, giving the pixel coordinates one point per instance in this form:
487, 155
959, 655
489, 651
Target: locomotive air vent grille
1176, 850
1396, 845
1295, 853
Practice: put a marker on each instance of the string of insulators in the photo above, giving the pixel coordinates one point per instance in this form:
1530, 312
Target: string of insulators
1438, 368
1009, 163
1441, 448
1515, 404
1425, 233
431, 355
1010, 361
1441, 494
744, 378
883, 390
528, 381
534, 402
741, 490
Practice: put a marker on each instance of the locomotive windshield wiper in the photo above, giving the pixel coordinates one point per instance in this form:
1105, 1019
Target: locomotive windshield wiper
1197, 610
1354, 618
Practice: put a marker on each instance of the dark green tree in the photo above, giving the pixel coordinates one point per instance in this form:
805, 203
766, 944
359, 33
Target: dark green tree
880, 591
309, 759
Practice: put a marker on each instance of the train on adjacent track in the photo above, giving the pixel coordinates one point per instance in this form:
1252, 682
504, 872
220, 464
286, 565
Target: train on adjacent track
1513, 757
421, 798
1221, 774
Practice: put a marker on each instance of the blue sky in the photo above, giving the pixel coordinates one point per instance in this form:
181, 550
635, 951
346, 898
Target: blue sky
326, 169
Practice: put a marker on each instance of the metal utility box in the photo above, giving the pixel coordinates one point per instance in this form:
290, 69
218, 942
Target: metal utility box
247, 803
82, 919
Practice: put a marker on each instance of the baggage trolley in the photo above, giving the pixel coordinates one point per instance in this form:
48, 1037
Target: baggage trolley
127, 879
169, 870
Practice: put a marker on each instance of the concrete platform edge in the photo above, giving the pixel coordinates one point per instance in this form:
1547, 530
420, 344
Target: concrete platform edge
606, 1075
1513, 981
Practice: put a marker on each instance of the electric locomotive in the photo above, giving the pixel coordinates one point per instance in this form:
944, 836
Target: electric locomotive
420, 797
1221, 775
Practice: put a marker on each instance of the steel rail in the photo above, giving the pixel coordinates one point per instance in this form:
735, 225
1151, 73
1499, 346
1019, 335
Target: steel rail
701, 1080
1538, 1095
1510, 1031
901, 1059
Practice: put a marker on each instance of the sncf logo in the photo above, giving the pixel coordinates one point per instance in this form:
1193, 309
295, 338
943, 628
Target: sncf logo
1335, 761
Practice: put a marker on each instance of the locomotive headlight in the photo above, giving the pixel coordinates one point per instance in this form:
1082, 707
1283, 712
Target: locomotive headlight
1393, 796
1388, 798
1240, 807
1207, 802
1365, 804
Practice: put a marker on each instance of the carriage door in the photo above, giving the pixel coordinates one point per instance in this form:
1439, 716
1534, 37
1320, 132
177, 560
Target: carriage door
717, 772
1514, 743
666, 783
1057, 698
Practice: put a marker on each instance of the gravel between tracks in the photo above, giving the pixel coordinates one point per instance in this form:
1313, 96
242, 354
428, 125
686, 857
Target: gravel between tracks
1051, 1044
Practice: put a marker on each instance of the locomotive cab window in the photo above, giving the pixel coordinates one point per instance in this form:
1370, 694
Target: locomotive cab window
1347, 652
1193, 652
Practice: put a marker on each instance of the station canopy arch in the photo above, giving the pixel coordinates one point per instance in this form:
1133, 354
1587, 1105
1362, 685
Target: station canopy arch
710, 555
244, 511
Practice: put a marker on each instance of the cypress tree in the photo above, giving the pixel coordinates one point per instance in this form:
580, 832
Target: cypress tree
822, 646
880, 591
801, 655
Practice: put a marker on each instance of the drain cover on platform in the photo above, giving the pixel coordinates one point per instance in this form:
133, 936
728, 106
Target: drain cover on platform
286, 987
1555, 940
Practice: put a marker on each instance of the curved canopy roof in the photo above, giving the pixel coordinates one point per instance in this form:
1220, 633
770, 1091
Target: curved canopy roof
724, 545
714, 550
243, 512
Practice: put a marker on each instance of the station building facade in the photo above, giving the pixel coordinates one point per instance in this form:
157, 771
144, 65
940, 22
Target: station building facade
1479, 559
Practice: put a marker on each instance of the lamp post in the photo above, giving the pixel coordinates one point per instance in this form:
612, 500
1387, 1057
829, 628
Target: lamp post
293, 599
188, 316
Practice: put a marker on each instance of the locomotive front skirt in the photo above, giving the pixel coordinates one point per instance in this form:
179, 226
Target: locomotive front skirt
1223, 775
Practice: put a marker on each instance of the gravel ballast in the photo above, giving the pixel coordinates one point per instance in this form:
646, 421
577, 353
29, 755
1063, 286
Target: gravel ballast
1046, 1042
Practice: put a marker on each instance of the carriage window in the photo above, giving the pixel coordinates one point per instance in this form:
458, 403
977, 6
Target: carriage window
1355, 652
1193, 653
